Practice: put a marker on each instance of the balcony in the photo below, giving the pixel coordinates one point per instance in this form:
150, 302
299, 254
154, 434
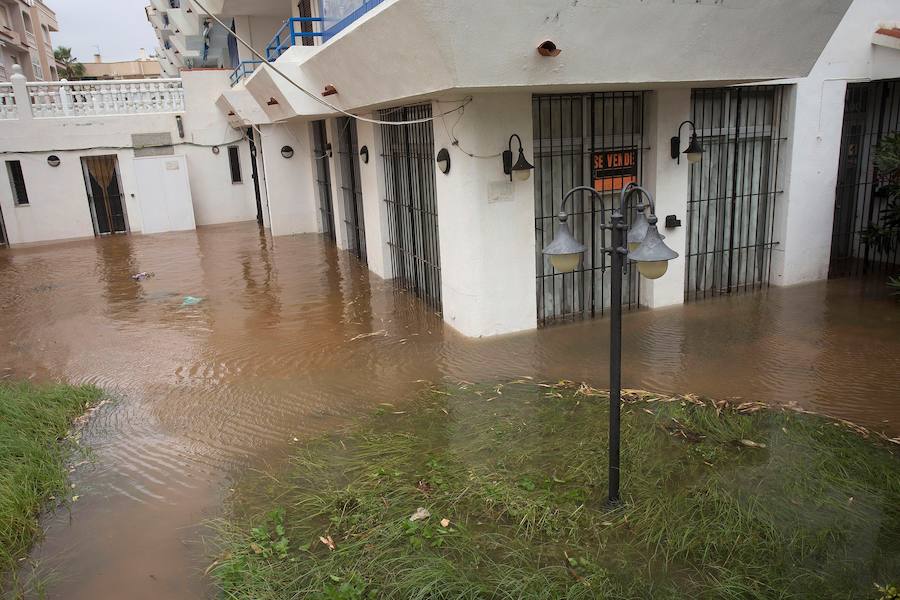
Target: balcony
290, 32
244, 69
337, 15
340, 14
98, 98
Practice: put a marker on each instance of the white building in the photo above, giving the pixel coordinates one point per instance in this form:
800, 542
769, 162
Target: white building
25, 27
788, 97
100, 157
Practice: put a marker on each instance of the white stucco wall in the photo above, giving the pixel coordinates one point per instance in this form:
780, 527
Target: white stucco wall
374, 206
59, 205
805, 212
668, 181
605, 44
486, 222
216, 199
290, 183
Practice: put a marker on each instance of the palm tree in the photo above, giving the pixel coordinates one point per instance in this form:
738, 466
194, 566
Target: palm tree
70, 68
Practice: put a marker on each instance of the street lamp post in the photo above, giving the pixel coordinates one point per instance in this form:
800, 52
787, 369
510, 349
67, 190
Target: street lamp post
643, 245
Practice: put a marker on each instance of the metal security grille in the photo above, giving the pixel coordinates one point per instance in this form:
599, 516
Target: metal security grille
733, 189
871, 112
584, 139
409, 164
350, 186
323, 177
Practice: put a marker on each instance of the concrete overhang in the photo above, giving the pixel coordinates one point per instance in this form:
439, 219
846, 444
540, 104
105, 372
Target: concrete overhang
409, 49
241, 108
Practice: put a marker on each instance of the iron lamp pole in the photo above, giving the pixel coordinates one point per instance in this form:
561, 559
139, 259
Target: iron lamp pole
643, 245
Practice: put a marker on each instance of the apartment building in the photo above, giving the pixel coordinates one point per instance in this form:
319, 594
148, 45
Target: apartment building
395, 127
25, 28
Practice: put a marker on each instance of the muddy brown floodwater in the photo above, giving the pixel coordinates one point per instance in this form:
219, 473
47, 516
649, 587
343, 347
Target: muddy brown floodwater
279, 348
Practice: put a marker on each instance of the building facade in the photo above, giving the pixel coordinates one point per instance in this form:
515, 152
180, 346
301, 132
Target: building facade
383, 123
25, 28
142, 68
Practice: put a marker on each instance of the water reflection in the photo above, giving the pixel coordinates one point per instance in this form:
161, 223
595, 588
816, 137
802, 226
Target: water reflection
293, 337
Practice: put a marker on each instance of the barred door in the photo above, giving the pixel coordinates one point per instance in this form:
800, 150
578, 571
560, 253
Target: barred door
412, 202
101, 175
733, 189
871, 112
350, 186
323, 178
584, 139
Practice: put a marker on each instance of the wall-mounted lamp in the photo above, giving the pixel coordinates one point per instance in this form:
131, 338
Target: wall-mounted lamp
548, 48
215, 149
53, 160
330, 90
443, 161
180, 122
287, 151
520, 171
364, 154
694, 151
328, 150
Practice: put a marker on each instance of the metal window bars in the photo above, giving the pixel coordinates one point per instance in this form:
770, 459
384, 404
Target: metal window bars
354, 219
411, 198
871, 112
733, 189
593, 139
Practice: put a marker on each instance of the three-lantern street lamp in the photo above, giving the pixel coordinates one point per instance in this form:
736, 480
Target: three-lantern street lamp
642, 244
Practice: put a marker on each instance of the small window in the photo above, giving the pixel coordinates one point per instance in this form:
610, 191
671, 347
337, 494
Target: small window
234, 160
17, 181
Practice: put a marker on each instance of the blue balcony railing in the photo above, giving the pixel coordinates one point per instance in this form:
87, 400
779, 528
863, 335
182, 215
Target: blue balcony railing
287, 36
337, 15
245, 68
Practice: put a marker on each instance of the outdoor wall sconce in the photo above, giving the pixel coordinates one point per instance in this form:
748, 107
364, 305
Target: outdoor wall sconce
443, 161
215, 150
652, 257
694, 151
272, 102
328, 150
180, 123
548, 48
364, 154
287, 152
53, 160
520, 171
330, 90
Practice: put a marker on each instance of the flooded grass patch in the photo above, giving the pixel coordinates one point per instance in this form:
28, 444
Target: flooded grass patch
34, 422
719, 501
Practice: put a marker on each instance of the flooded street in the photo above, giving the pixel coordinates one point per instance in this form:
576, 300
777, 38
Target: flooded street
293, 337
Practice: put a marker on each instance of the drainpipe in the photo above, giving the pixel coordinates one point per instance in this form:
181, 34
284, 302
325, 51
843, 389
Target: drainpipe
20, 90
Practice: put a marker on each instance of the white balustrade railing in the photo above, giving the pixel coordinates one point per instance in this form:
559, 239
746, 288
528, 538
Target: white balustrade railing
7, 101
103, 98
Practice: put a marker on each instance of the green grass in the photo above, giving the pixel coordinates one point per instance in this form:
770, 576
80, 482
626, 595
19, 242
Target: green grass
34, 421
718, 502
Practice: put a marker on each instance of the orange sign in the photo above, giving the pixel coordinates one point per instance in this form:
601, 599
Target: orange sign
614, 169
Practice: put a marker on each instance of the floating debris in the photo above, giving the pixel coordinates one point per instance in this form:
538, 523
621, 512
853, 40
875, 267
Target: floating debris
191, 301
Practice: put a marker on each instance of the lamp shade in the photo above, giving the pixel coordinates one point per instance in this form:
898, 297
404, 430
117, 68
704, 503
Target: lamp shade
694, 151
564, 251
638, 231
652, 255
521, 171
